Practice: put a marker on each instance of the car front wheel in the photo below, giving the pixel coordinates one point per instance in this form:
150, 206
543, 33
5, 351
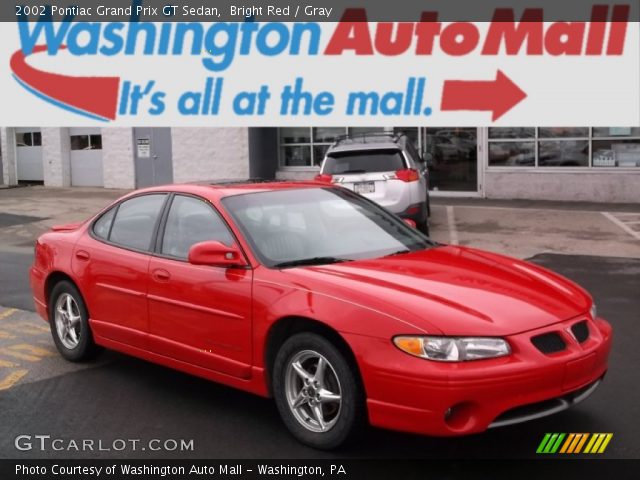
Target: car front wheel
317, 391
69, 323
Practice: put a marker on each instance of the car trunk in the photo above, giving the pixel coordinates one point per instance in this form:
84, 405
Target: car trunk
365, 172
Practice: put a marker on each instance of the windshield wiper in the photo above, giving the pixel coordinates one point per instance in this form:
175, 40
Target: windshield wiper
310, 261
399, 252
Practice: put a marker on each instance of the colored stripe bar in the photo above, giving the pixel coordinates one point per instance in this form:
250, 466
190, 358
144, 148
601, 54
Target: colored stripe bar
550, 443
555, 447
581, 442
543, 443
573, 443
605, 442
592, 441
567, 442
576, 440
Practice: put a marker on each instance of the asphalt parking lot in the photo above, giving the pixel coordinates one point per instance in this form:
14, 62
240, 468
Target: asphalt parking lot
116, 397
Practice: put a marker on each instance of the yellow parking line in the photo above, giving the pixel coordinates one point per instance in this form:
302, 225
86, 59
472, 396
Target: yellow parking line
27, 352
7, 364
7, 312
4, 335
11, 379
29, 329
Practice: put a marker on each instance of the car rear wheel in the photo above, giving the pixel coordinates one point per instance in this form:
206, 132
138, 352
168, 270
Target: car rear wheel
422, 223
69, 323
317, 391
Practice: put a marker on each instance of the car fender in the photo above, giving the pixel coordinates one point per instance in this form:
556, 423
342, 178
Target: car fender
274, 300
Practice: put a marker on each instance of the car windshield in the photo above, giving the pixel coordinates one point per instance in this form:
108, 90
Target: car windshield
389, 160
314, 226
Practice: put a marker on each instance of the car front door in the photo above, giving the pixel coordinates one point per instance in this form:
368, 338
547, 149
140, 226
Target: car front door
198, 314
113, 263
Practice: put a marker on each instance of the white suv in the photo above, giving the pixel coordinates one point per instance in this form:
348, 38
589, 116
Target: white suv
384, 167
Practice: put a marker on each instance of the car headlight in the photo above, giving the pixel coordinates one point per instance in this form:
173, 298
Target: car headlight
453, 349
594, 310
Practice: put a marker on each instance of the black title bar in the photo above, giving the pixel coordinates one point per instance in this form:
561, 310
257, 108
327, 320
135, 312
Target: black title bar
316, 469
302, 10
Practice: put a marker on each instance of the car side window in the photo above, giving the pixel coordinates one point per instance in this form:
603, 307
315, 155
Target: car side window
135, 221
191, 221
103, 225
413, 153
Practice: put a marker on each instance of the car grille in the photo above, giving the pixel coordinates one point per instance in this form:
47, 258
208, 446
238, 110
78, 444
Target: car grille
549, 342
580, 330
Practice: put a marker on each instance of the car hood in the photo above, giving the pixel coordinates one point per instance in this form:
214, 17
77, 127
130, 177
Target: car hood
452, 290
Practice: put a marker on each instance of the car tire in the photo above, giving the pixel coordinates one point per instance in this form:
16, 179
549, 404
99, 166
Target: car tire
302, 396
422, 222
69, 323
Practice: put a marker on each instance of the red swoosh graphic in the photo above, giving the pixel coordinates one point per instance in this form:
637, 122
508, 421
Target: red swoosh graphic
97, 95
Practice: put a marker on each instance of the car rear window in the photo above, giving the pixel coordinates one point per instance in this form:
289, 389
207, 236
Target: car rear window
363, 162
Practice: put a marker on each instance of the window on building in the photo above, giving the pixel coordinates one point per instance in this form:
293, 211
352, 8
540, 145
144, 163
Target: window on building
307, 146
512, 133
582, 147
29, 139
86, 142
616, 147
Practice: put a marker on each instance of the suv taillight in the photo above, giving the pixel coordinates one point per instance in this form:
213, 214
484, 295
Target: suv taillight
324, 178
408, 175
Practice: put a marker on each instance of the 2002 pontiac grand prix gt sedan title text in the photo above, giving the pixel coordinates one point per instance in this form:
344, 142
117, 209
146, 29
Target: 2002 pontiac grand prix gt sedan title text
320, 298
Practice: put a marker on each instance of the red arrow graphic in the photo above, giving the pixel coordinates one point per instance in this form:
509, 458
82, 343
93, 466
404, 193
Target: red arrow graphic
498, 96
93, 95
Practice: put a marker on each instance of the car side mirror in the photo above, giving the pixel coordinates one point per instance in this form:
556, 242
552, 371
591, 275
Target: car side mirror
216, 254
410, 222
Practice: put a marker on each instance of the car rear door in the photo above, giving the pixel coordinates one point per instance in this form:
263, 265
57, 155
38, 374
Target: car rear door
198, 314
112, 265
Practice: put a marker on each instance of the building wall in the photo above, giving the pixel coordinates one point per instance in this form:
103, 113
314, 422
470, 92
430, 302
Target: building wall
117, 158
8, 146
210, 153
55, 157
592, 186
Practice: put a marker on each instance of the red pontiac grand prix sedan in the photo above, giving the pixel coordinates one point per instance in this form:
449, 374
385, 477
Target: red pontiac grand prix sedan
322, 299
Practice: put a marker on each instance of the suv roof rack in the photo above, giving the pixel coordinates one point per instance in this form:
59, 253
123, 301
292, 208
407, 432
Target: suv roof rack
368, 137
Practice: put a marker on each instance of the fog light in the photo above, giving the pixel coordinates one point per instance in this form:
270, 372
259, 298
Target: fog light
460, 416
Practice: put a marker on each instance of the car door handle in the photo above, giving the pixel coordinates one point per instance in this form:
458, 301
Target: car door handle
161, 275
82, 255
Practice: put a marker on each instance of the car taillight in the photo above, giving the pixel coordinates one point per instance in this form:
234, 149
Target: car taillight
324, 178
408, 175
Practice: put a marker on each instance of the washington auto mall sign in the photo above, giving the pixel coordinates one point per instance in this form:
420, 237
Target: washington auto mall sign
425, 72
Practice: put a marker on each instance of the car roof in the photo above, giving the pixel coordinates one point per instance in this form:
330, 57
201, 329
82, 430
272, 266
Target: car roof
219, 189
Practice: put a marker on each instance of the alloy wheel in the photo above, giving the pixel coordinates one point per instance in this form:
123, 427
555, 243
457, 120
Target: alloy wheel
68, 321
313, 391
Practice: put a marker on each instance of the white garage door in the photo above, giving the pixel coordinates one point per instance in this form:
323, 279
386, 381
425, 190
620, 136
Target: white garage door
86, 157
29, 155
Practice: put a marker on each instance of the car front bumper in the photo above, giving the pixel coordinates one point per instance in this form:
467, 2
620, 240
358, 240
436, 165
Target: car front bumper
446, 399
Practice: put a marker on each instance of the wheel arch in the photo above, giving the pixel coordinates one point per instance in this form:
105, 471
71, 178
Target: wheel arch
52, 280
288, 326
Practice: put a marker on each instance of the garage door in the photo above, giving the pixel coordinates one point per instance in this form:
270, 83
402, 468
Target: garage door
29, 155
86, 157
